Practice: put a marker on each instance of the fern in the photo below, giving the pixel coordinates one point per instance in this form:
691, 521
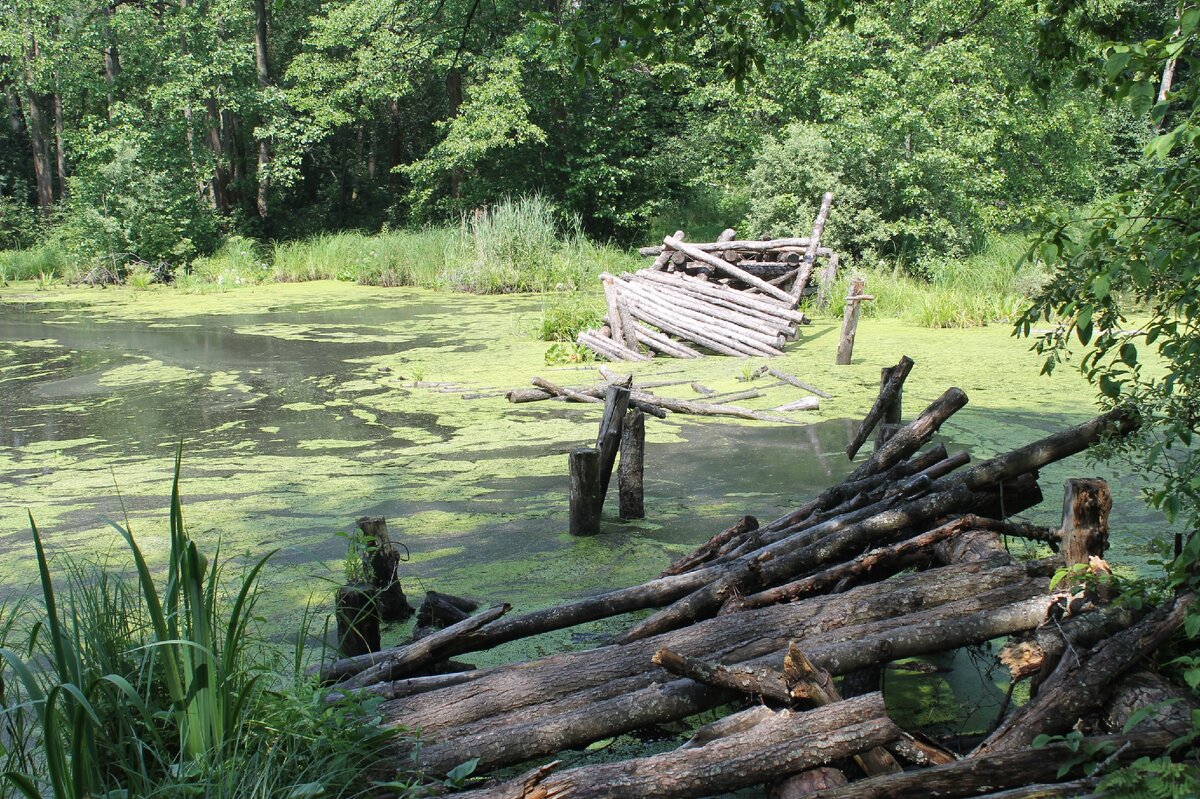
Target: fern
1152, 778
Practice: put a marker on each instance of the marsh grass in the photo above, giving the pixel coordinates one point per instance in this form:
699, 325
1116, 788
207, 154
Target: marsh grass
991, 287
48, 258
127, 684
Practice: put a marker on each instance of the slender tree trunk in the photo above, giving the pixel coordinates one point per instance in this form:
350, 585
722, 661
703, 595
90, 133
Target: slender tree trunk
220, 180
39, 140
60, 151
263, 67
455, 94
112, 59
16, 120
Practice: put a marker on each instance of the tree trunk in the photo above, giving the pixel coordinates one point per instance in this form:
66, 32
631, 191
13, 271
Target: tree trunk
60, 149
263, 70
39, 137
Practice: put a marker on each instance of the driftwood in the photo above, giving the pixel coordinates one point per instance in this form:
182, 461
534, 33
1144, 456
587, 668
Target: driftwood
787, 378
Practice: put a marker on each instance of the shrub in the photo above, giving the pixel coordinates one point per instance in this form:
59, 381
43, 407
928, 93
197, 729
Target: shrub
131, 686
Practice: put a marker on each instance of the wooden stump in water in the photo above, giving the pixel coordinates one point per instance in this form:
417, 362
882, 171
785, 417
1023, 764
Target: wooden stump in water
850, 321
586, 498
383, 561
1086, 503
629, 473
357, 619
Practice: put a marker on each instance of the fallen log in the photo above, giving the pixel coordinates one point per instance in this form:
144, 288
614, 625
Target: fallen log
781, 743
887, 396
706, 409
436, 646
592, 396
973, 775
660, 342
621, 705
748, 245
613, 350
1170, 706
803, 404
663, 254
798, 383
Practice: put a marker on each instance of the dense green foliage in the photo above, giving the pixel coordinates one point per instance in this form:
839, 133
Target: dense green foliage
137, 685
1126, 286
149, 134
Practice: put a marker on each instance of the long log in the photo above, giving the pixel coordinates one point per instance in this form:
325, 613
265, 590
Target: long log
1038, 454
763, 305
784, 560
696, 316
887, 395
728, 268
971, 776
671, 323
797, 382
752, 634
662, 253
591, 395
613, 350
768, 245
810, 254
876, 564
915, 435
781, 743
433, 647
621, 705
706, 409
701, 308
660, 342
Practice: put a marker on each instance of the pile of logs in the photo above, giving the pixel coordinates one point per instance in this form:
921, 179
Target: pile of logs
729, 297
901, 559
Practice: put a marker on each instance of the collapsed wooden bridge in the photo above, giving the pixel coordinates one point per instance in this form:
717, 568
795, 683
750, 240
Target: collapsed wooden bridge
729, 297
901, 559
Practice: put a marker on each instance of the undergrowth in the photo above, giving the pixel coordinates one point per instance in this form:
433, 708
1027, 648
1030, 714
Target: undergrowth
127, 683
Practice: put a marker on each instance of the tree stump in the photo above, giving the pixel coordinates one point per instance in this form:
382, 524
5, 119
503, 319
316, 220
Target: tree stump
630, 470
357, 619
586, 499
382, 560
850, 321
1086, 503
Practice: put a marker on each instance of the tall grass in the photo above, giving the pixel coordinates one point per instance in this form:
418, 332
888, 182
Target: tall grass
128, 685
990, 287
45, 260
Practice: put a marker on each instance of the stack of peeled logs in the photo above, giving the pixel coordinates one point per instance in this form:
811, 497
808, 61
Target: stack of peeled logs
901, 559
728, 297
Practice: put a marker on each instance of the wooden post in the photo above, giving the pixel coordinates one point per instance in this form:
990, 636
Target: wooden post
616, 402
357, 619
1086, 503
382, 560
629, 473
892, 407
850, 320
586, 498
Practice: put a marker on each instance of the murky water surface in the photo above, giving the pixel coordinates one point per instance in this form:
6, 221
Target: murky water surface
301, 408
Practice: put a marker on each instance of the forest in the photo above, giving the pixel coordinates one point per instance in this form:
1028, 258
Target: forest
144, 135
313, 254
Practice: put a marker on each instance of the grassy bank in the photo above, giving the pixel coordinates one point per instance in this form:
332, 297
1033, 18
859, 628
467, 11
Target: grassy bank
522, 245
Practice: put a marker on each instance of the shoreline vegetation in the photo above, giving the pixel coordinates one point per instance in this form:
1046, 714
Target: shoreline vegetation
522, 246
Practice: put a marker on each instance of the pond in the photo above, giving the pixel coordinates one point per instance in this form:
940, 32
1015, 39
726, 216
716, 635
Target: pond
302, 407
